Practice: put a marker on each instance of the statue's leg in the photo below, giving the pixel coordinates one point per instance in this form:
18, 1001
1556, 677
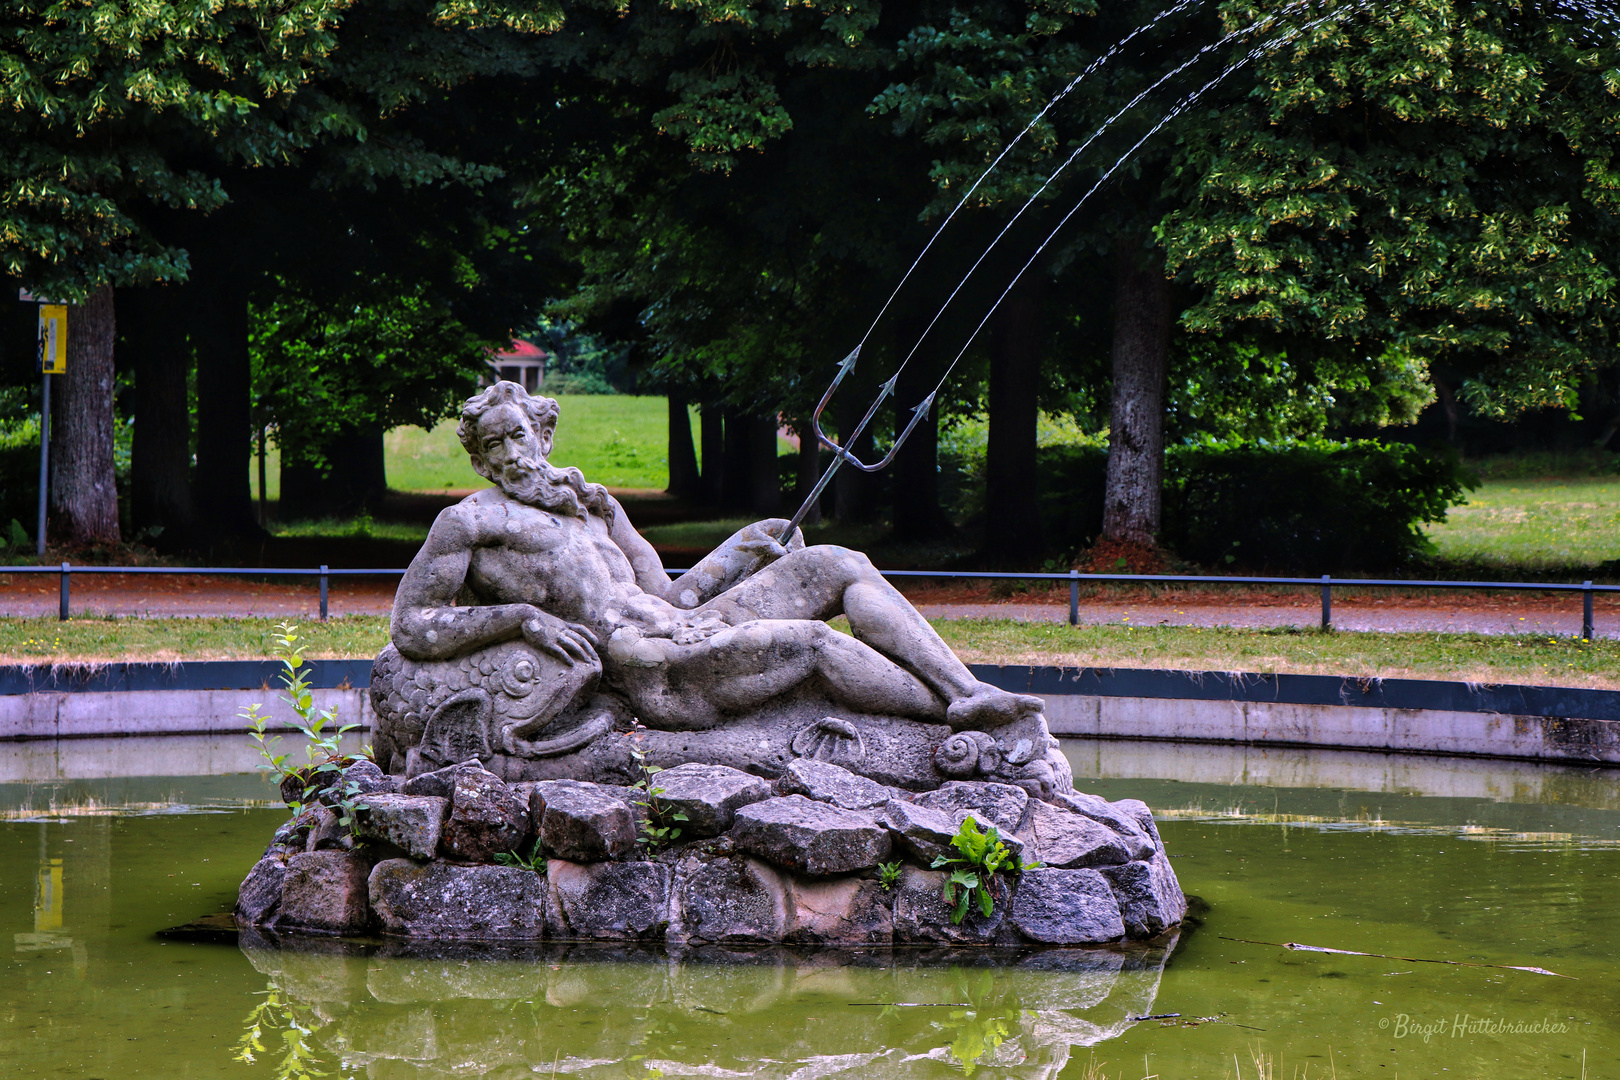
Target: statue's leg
823, 581
745, 666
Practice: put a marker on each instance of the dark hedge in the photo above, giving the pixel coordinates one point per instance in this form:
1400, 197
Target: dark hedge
1314, 507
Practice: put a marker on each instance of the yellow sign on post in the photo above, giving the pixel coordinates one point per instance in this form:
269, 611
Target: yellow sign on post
53, 339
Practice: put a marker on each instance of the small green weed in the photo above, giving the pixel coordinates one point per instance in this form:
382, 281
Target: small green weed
889, 874
658, 829
320, 729
979, 857
535, 860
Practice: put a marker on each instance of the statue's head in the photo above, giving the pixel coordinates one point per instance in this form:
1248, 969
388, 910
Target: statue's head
507, 433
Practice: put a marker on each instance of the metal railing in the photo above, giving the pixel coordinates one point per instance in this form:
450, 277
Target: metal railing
1327, 583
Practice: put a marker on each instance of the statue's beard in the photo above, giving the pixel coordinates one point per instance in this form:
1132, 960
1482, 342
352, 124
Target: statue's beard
537, 482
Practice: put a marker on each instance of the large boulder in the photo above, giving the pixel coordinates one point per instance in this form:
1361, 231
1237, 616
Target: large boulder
731, 899
611, 901
825, 782
1001, 805
412, 823
486, 818
1117, 816
363, 777
921, 914
581, 822
839, 911
439, 782
327, 833
1066, 907
325, 892
1139, 812
1062, 838
1149, 896
921, 832
811, 837
292, 836
444, 901
709, 796
258, 898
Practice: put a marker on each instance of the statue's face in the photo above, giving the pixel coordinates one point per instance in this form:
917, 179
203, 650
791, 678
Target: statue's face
510, 447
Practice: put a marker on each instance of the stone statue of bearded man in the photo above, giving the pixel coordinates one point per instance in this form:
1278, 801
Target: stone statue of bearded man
538, 631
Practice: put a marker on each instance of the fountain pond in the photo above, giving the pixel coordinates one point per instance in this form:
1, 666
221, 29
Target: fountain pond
1479, 862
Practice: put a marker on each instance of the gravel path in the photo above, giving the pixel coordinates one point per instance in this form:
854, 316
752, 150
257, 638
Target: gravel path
162, 595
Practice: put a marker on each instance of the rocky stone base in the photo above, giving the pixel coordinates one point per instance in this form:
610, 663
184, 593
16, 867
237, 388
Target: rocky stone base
757, 862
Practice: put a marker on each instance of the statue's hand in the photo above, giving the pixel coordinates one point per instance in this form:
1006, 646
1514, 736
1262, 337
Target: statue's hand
760, 540
569, 642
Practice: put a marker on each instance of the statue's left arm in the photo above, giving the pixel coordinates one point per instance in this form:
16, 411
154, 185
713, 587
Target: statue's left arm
746, 552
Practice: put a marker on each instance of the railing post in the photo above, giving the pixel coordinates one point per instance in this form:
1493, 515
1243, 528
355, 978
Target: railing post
1327, 603
1074, 598
323, 592
1586, 612
62, 605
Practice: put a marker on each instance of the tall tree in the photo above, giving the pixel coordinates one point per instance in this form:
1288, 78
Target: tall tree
152, 338
96, 104
1012, 517
1427, 178
1143, 318
83, 494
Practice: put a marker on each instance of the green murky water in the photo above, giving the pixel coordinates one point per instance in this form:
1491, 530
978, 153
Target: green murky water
1471, 862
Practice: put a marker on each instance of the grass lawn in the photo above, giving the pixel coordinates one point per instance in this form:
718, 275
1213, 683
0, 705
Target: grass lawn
614, 439
1536, 524
618, 440
1471, 657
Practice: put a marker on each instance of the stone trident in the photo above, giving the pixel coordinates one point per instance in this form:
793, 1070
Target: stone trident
841, 455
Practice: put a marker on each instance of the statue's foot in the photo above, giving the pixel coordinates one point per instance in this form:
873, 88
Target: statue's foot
990, 707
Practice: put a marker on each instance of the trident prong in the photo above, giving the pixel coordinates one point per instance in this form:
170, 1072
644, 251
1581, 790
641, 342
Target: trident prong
841, 455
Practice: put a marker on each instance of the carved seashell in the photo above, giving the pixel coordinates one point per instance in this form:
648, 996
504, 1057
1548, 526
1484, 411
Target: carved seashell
960, 755
830, 739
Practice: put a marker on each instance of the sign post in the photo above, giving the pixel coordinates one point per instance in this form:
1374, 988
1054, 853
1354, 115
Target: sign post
52, 361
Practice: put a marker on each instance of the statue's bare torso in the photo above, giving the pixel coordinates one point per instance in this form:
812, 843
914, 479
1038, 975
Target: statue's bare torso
566, 566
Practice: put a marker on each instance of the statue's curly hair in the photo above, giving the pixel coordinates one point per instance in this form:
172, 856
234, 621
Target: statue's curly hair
561, 490
541, 411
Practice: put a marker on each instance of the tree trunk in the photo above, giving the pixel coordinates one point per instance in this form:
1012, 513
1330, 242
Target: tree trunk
765, 483
713, 433
684, 479
160, 457
736, 482
809, 472
222, 488
917, 513
1012, 528
1142, 318
1448, 405
83, 491
857, 493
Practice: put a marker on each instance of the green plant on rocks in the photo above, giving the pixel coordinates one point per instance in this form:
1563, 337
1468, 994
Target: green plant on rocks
979, 857
322, 734
534, 861
889, 874
657, 827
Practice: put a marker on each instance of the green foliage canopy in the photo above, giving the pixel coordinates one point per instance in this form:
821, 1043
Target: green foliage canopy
94, 97
1432, 175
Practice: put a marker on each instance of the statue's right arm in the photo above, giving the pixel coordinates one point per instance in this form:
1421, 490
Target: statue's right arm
427, 625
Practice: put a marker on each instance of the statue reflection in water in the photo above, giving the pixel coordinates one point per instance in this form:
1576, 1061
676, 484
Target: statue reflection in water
599, 1012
